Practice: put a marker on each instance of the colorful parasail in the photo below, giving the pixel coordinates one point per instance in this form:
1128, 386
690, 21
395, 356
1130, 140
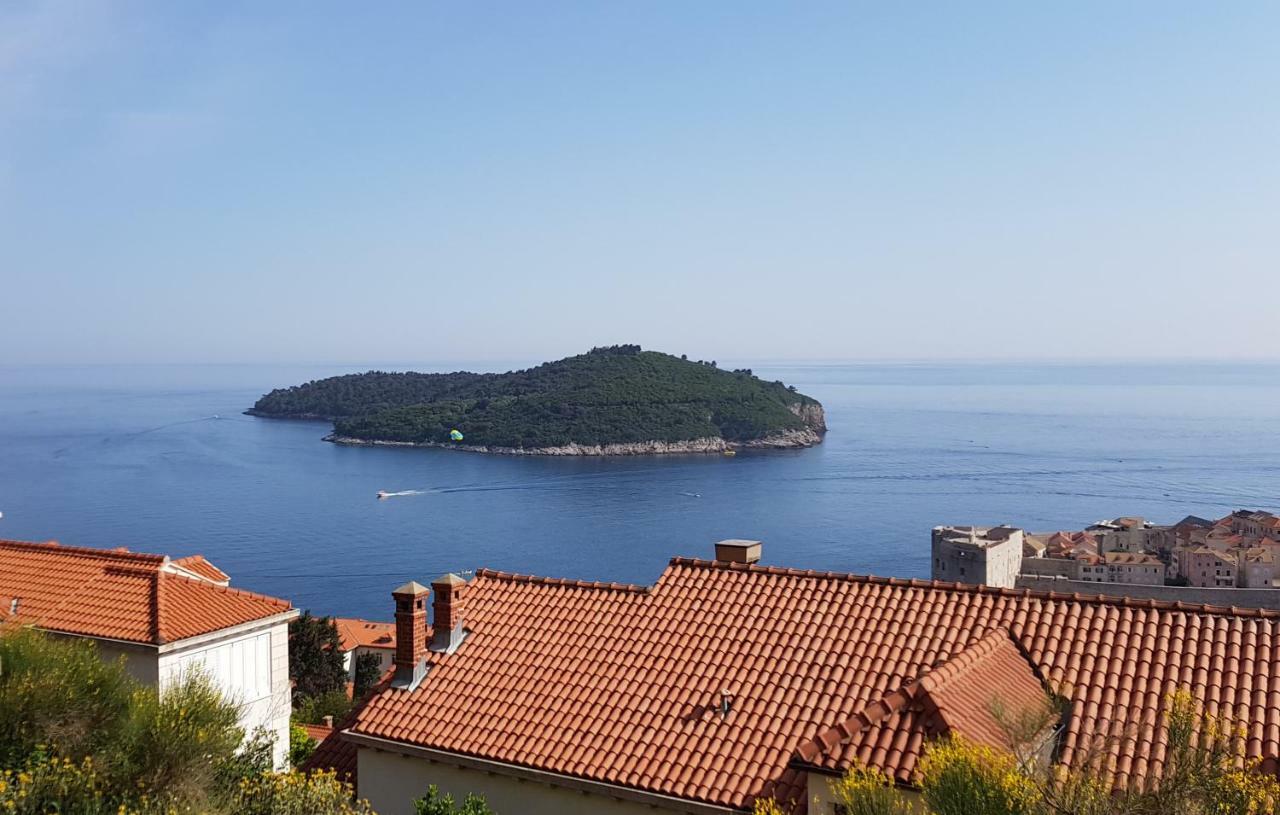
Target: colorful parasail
455, 434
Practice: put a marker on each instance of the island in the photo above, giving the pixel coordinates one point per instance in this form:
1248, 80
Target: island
615, 400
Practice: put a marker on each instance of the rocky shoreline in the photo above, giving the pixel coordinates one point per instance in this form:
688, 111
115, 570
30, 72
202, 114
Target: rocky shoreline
790, 439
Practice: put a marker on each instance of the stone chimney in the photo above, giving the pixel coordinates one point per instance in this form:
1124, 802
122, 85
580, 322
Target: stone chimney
411, 635
328, 721
738, 551
447, 607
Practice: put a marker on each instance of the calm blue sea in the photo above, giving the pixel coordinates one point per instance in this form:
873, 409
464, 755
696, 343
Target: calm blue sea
161, 459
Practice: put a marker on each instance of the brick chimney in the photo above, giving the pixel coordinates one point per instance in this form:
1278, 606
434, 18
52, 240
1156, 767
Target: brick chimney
447, 607
738, 551
411, 635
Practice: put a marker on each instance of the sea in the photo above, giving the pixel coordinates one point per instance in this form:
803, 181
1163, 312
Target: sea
162, 459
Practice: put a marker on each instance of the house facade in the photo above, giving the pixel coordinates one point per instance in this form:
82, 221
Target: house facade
164, 617
727, 681
358, 637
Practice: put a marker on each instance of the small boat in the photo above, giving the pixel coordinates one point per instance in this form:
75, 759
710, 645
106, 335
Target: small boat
383, 494
730, 453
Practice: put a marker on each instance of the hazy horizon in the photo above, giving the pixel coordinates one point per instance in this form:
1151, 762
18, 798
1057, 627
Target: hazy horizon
231, 183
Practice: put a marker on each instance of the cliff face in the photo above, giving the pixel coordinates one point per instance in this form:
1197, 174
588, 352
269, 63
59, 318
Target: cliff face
811, 414
786, 440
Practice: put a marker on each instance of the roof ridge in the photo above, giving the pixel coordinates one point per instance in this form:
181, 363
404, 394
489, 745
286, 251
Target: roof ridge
532, 579
227, 589
918, 689
970, 588
87, 551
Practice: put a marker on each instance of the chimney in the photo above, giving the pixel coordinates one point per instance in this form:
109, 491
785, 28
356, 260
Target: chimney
738, 551
328, 721
411, 635
447, 607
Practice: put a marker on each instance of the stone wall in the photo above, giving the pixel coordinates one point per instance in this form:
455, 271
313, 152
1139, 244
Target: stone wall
1245, 598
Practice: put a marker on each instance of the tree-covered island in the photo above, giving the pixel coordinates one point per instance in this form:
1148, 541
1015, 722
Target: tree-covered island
614, 400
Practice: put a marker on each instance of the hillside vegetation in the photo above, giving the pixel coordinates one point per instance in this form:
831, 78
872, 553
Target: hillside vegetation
614, 395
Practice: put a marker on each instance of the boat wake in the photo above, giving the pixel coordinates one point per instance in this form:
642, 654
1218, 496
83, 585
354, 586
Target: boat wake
385, 494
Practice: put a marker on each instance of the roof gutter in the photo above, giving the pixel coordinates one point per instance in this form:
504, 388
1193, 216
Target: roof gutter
583, 785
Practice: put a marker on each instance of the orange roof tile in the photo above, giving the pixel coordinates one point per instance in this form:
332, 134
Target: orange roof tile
365, 633
117, 594
968, 694
622, 685
198, 565
319, 732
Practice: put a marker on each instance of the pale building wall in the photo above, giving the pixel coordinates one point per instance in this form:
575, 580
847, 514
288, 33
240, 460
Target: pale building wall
251, 668
1144, 574
143, 664
385, 657
983, 562
1052, 567
1259, 575
391, 782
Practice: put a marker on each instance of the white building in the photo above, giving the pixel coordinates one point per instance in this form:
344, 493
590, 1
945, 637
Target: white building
165, 617
365, 637
989, 556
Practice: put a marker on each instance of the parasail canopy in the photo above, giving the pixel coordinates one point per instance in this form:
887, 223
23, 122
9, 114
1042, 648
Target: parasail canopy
455, 434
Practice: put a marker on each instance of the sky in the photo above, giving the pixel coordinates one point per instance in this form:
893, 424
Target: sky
279, 182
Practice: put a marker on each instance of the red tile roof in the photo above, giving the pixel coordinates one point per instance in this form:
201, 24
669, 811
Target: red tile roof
365, 633
975, 694
622, 684
319, 732
198, 565
117, 594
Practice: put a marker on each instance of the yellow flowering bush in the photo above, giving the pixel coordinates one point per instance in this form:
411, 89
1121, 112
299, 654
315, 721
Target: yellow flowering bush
867, 791
958, 777
296, 793
767, 806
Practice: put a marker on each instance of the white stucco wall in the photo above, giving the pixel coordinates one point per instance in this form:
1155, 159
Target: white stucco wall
391, 782
385, 656
251, 667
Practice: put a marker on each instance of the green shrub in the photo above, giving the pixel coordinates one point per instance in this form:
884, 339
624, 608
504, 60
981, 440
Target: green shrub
58, 693
301, 745
433, 803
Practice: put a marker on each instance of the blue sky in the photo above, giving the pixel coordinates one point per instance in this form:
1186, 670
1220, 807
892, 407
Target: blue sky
221, 181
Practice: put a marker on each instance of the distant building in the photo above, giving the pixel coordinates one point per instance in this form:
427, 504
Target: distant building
163, 617
1127, 567
1205, 567
990, 556
365, 636
1121, 535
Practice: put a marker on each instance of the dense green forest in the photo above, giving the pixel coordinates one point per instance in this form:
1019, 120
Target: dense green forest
610, 395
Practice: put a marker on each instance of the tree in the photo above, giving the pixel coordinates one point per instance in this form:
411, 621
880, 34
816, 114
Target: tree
368, 672
315, 657
301, 745
313, 710
436, 804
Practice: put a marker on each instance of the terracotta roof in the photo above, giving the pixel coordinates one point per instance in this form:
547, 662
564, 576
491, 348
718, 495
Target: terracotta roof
365, 633
977, 694
117, 594
622, 685
319, 732
199, 566
336, 753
